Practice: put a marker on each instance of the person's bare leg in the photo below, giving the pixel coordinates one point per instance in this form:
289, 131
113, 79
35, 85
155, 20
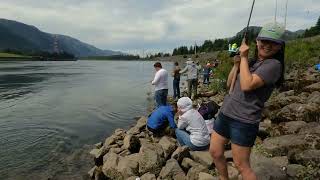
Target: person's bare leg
241, 158
216, 150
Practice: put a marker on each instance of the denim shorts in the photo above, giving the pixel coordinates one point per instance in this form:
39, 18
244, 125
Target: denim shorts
240, 133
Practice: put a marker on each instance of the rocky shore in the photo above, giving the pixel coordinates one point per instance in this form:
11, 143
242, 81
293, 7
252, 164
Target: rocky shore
287, 147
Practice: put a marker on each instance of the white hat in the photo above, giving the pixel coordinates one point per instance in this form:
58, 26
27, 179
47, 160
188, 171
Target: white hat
185, 104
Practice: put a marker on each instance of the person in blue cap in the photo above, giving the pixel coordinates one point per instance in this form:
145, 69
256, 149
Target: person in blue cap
241, 112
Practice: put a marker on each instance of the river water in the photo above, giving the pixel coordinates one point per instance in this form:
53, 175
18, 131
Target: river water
52, 112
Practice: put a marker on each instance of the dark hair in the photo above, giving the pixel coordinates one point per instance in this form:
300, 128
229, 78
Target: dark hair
157, 65
278, 56
176, 63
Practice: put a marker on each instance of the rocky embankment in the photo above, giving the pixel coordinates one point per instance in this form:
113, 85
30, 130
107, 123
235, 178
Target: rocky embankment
287, 147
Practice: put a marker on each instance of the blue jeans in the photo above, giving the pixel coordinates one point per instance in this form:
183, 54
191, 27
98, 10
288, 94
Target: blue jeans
176, 88
206, 79
184, 140
161, 97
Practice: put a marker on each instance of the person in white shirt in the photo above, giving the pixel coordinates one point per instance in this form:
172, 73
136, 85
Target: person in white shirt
160, 82
192, 130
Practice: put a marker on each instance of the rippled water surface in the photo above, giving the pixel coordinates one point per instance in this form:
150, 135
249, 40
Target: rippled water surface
51, 113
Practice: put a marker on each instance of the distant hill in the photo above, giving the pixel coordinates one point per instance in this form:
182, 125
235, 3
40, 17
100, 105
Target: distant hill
23, 37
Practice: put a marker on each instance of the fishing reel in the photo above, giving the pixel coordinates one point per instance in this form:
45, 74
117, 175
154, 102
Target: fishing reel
233, 50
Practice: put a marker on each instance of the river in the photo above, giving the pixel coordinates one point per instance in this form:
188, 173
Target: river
52, 112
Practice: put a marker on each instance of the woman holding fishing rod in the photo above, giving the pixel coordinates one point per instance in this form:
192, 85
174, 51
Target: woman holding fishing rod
239, 117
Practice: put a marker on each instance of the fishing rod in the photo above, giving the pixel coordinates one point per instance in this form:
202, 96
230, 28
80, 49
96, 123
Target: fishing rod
245, 39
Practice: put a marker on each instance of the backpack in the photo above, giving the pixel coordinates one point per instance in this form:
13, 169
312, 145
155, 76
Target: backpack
208, 110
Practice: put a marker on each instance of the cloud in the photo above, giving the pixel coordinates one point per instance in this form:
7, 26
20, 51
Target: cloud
153, 25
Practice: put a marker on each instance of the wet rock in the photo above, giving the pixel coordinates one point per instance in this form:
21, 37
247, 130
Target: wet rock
151, 158
132, 143
194, 172
313, 87
281, 161
265, 168
168, 145
180, 153
293, 127
202, 157
294, 169
307, 156
298, 112
172, 170
206, 176
148, 176
279, 146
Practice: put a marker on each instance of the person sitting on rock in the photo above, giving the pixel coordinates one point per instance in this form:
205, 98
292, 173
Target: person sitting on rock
160, 118
192, 130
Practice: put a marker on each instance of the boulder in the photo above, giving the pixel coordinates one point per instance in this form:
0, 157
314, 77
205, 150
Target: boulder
310, 128
92, 171
312, 87
281, 161
133, 178
151, 158
298, 112
307, 156
116, 150
168, 145
194, 172
172, 170
120, 133
148, 176
265, 168
128, 166
206, 176
132, 143
98, 145
110, 163
279, 146
233, 172
294, 169
180, 153
293, 127
98, 156
188, 163
202, 157
314, 97
140, 125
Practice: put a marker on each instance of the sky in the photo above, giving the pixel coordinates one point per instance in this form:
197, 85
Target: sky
149, 26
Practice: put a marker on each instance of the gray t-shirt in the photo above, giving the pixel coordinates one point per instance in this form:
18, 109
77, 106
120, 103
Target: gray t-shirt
247, 106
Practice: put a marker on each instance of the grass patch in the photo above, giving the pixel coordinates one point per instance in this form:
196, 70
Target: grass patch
9, 55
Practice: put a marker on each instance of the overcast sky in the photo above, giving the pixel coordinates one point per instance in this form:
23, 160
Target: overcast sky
153, 25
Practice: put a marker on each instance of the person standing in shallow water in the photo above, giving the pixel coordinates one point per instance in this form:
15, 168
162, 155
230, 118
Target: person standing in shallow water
240, 114
160, 82
176, 81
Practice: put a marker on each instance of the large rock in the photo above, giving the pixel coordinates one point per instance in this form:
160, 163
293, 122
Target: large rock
310, 128
206, 176
151, 158
193, 173
168, 145
188, 163
265, 168
148, 176
132, 143
307, 156
129, 165
279, 146
140, 125
312, 87
202, 157
293, 127
314, 97
294, 169
110, 164
172, 170
281, 161
180, 153
110, 142
233, 172
298, 112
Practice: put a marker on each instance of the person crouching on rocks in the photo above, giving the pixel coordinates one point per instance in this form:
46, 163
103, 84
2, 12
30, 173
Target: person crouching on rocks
192, 130
240, 114
160, 119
